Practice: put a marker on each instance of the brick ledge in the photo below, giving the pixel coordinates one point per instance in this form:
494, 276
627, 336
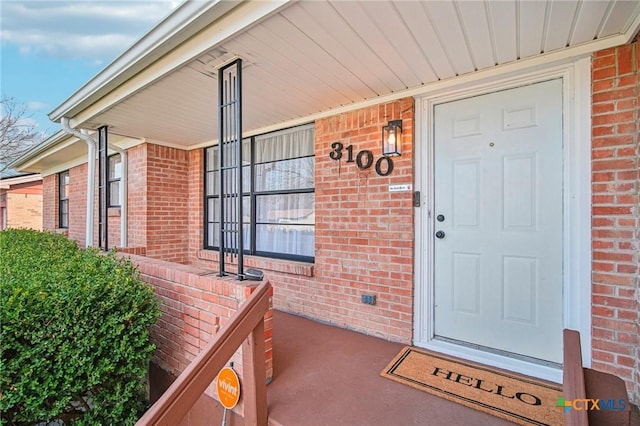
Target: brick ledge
267, 264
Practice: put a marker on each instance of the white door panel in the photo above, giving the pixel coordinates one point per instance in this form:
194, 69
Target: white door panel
498, 188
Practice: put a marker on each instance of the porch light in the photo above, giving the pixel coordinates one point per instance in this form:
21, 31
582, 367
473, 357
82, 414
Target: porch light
392, 138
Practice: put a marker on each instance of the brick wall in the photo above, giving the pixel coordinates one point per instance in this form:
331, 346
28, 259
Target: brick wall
114, 227
616, 213
167, 203
77, 204
77, 208
196, 202
49, 201
195, 303
24, 206
137, 196
364, 233
158, 198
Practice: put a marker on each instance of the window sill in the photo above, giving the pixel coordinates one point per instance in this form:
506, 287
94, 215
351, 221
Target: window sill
113, 212
266, 263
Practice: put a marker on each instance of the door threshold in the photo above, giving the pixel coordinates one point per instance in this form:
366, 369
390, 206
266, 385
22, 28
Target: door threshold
521, 365
500, 352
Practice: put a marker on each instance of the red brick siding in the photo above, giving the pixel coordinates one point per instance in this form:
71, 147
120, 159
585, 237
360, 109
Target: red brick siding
49, 202
114, 227
167, 203
24, 206
364, 233
137, 196
616, 213
196, 201
157, 203
157, 197
194, 305
78, 204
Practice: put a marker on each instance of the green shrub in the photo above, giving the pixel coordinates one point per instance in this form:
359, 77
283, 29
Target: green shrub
74, 332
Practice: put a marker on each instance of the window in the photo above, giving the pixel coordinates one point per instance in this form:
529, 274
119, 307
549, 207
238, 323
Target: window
278, 195
115, 175
63, 199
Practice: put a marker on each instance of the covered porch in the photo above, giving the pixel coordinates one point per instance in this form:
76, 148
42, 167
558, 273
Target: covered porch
324, 375
379, 62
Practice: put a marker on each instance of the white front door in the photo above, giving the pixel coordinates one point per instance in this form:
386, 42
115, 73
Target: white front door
498, 221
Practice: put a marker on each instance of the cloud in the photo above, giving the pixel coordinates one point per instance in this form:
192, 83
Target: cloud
36, 106
27, 122
96, 31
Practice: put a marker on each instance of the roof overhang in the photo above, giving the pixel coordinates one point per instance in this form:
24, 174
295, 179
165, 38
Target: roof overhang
7, 183
305, 60
159, 51
62, 151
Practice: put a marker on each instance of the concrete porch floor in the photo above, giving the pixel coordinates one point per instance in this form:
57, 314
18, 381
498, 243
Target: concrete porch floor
325, 375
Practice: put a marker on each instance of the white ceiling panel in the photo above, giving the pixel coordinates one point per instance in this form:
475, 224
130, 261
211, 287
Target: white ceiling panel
474, 19
504, 20
560, 24
447, 26
310, 17
290, 38
620, 18
311, 57
422, 40
591, 15
532, 20
276, 71
367, 22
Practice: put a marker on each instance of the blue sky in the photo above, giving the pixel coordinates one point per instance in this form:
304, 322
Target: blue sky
49, 49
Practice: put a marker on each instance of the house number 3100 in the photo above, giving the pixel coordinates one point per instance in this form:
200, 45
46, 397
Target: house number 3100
363, 159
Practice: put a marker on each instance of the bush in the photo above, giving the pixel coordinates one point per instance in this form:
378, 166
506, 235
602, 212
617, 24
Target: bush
75, 332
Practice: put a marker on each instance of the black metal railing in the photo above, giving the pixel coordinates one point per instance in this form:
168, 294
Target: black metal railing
103, 188
230, 164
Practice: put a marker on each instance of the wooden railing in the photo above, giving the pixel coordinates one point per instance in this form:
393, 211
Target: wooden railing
584, 386
573, 387
246, 328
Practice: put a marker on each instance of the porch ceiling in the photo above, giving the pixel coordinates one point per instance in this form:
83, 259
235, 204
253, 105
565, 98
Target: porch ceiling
311, 57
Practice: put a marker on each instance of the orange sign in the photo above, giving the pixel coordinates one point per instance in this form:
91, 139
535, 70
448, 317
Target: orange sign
228, 388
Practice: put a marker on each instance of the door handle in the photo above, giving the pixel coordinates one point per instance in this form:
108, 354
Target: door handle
440, 234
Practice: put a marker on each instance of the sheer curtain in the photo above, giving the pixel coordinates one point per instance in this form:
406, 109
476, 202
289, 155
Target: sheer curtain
284, 184
278, 187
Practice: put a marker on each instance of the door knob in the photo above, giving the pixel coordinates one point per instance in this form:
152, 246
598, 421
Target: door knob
440, 234
440, 218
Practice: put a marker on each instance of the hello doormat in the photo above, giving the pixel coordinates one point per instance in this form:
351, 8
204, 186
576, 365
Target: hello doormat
519, 399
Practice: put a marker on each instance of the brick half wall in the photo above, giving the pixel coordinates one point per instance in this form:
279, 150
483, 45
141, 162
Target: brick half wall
195, 304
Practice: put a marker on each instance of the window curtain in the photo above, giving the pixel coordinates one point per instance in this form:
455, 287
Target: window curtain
284, 181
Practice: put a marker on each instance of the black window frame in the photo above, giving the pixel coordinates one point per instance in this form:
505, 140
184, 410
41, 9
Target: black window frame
114, 180
252, 194
63, 199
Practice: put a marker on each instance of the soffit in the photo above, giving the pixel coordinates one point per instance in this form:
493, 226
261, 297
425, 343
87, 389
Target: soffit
312, 57
62, 151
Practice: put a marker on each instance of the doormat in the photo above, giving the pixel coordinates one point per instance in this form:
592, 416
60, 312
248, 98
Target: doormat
519, 399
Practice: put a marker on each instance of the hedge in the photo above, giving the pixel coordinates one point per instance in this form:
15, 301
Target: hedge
74, 330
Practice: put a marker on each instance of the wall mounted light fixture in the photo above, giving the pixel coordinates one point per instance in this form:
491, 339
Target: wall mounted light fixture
392, 138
